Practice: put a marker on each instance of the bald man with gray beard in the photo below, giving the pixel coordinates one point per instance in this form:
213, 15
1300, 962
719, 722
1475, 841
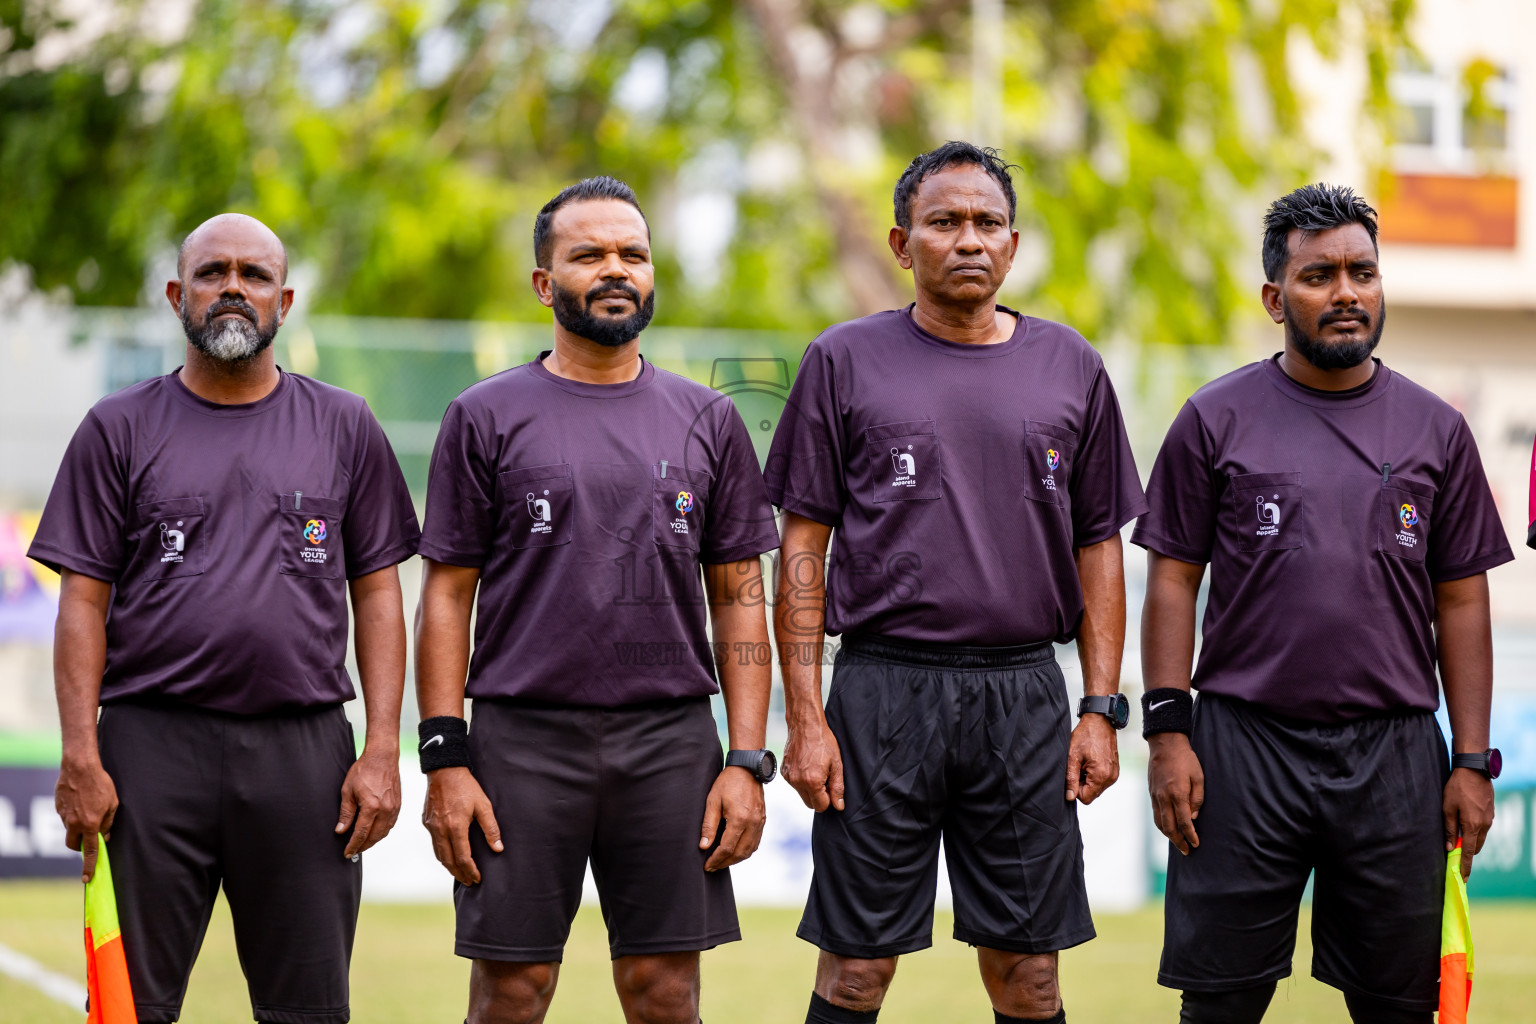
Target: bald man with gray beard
209, 526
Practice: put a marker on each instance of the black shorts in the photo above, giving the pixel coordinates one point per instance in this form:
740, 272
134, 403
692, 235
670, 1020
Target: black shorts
1357, 803
965, 743
249, 803
624, 787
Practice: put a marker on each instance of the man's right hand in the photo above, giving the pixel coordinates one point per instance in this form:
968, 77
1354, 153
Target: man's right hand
1177, 784
454, 802
814, 765
86, 801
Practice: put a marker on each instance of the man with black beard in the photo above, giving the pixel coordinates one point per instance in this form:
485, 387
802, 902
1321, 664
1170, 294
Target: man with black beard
1349, 529
209, 526
582, 493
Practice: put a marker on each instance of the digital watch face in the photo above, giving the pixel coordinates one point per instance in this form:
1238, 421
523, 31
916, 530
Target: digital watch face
1495, 763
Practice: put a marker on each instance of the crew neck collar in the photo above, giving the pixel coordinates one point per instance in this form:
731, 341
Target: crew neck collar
642, 381
1362, 394
188, 397
967, 351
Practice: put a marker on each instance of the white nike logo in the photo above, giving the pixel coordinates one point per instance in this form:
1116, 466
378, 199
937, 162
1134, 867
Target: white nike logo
434, 739
1150, 707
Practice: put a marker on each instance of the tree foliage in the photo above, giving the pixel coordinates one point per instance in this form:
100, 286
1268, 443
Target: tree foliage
401, 147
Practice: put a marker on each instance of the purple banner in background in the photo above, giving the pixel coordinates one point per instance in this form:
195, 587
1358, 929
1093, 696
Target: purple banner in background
31, 834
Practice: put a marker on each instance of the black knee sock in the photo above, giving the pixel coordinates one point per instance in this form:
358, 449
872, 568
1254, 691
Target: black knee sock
1244, 1006
823, 1012
1369, 1010
1059, 1017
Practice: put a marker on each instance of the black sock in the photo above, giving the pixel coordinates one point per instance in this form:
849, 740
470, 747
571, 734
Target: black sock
823, 1012
1059, 1017
1243, 1006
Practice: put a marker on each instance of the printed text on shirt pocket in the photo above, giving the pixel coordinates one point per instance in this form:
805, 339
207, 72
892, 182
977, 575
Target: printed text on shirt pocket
905, 460
538, 505
1048, 453
1404, 513
173, 536
309, 536
1270, 510
678, 506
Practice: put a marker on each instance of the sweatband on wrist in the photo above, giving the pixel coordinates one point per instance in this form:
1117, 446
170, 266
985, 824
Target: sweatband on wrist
444, 743
1167, 709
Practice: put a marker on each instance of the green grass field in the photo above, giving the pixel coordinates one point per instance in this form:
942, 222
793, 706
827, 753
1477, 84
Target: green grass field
405, 973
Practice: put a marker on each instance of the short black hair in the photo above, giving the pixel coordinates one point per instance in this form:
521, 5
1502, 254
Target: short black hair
600, 187
952, 154
1311, 208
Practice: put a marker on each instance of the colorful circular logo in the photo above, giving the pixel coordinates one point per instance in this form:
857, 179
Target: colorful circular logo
684, 502
314, 531
1052, 459
1408, 516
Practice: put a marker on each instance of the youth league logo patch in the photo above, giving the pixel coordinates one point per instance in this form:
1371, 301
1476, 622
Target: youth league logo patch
314, 531
1269, 516
684, 505
1407, 518
538, 510
1052, 459
173, 541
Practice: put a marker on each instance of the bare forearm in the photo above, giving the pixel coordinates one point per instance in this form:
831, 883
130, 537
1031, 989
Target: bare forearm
79, 659
746, 677
442, 639
379, 636
1465, 637
1101, 638
800, 617
1168, 622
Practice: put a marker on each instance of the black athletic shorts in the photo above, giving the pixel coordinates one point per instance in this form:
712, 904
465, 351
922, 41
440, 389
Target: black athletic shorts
249, 803
1357, 803
624, 787
967, 743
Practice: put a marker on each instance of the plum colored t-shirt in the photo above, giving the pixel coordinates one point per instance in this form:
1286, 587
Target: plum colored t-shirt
960, 479
589, 510
1326, 518
229, 533
1530, 529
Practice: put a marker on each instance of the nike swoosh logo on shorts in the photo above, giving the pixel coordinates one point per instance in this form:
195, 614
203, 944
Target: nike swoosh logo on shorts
1150, 707
434, 739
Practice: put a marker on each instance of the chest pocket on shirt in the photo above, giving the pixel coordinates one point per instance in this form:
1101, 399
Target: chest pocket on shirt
538, 505
173, 535
1271, 511
1048, 454
678, 505
309, 537
904, 461
1403, 515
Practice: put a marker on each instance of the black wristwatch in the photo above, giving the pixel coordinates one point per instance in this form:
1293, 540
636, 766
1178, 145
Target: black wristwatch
761, 763
1489, 764
1114, 707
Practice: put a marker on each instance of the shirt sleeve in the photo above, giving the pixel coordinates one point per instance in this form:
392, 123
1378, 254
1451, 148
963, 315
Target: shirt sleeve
805, 473
1467, 537
1183, 494
740, 519
1105, 488
83, 526
381, 525
461, 494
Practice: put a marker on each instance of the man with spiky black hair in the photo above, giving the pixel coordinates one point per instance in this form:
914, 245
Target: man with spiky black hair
1349, 529
974, 465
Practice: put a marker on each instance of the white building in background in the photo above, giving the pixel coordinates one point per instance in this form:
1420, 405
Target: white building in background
1457, 205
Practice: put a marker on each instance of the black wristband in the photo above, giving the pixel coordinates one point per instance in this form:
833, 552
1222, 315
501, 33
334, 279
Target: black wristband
1167, 709
444, 743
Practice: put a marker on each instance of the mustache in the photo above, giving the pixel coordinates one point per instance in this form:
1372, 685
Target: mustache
240, 306
604, 291
1352, 313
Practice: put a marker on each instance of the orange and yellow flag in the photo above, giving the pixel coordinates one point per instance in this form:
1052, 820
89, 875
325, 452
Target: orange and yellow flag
1455, 945
106, 968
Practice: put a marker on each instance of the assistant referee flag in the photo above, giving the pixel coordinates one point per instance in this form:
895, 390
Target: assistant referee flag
1455, 945
106, 967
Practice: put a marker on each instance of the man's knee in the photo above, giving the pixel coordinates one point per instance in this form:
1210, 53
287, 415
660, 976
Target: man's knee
1242, 1006
854, 984
1370, 1010
1021, 985
662, 989
510, 993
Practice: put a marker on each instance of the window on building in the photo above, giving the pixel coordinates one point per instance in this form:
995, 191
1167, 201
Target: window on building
1451, 119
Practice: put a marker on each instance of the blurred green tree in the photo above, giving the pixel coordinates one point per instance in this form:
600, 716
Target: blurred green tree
402, 147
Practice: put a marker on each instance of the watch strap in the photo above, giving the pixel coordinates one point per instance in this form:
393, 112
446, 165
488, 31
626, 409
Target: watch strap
1479, 762
761, 763
1114, 707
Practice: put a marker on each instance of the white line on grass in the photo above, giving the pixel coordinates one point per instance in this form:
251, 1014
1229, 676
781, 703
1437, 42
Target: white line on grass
55, 986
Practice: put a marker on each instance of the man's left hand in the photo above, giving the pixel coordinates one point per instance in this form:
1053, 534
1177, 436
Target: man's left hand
1468, 812
737, 797
370, 799
1093, 759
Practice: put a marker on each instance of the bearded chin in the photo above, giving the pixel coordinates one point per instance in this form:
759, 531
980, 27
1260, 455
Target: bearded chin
1334, 355
235, 340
